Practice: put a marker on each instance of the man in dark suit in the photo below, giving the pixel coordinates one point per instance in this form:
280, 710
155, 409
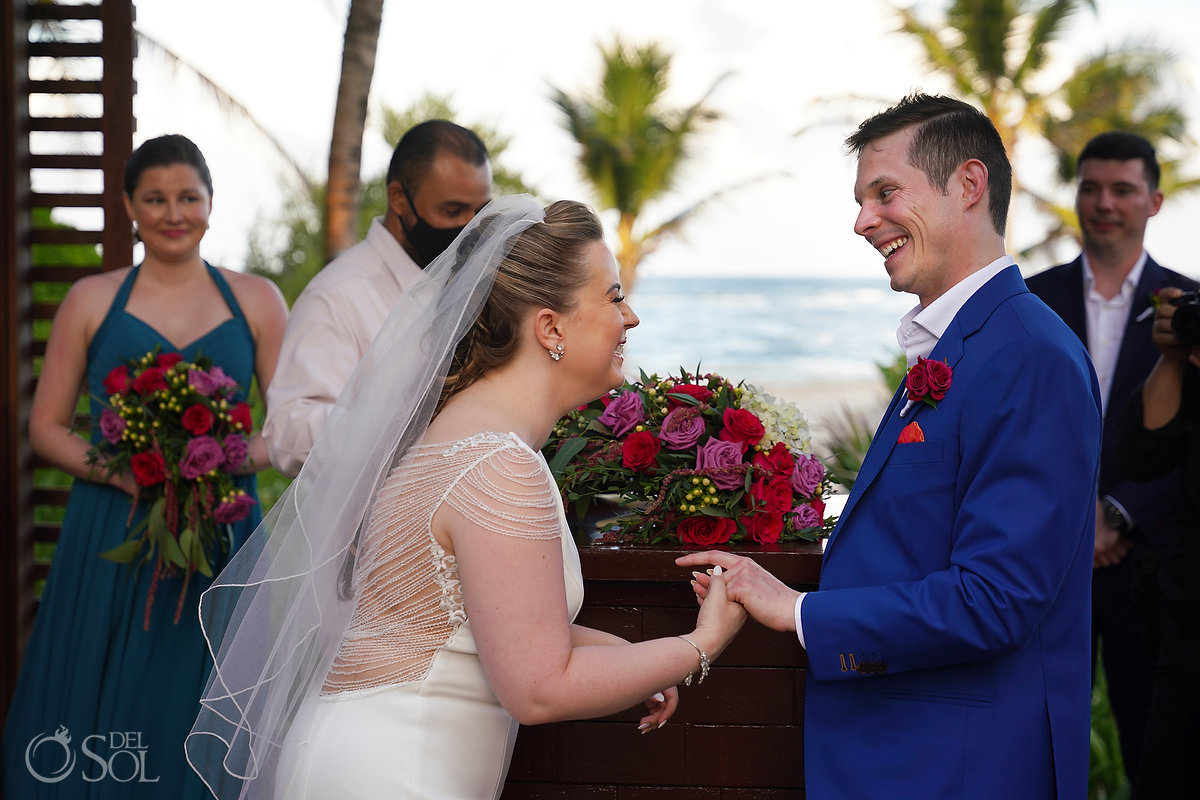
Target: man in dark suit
1103, 296
948, 642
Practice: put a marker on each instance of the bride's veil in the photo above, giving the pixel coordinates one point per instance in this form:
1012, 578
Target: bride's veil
274, 618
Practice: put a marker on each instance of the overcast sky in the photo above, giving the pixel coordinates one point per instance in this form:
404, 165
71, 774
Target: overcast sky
281, 58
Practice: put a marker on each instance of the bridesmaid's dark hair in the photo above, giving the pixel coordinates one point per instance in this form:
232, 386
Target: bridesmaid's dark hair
165, 151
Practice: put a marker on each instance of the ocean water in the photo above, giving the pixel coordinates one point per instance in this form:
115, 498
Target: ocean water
766, 330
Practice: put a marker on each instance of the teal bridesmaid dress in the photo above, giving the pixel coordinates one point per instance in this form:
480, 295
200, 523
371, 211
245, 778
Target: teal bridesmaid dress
102, 705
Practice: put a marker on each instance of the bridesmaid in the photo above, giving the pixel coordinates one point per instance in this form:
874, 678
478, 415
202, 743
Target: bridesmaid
102, 705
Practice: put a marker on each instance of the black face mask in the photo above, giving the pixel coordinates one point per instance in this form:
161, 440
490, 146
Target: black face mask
428, 241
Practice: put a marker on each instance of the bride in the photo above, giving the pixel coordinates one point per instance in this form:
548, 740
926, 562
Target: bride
410, 598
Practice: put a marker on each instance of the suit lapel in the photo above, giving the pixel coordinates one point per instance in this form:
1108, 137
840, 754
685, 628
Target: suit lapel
969, 319
1136, 345
1071, 306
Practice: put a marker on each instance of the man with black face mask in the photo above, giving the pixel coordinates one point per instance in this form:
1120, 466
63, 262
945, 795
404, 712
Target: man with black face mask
438, 178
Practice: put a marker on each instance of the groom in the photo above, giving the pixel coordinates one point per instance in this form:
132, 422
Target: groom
948, 643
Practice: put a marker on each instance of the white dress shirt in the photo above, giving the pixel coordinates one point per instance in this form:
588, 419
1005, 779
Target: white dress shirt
1106, 320
329, 330
919, 332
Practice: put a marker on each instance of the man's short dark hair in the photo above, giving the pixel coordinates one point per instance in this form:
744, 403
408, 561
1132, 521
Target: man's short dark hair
416, 150
949, 133
1123, 146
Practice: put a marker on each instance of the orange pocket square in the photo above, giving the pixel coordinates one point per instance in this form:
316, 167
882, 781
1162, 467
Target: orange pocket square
912, 433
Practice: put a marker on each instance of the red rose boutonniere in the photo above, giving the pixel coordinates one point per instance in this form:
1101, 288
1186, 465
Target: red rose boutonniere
928, 381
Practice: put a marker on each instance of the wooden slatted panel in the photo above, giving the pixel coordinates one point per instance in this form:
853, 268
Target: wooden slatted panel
33, 286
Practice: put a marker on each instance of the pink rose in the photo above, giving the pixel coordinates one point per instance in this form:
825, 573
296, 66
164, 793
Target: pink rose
719, 458
742, 427
807, 475
223, 380
203, 454
234, 509
705, 530
682, 428
112, 425
235, 451
805, 516
202, 382
624, 413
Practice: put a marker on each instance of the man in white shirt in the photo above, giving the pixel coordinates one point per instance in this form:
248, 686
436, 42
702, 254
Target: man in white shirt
1103, 295
947, 645
438, 178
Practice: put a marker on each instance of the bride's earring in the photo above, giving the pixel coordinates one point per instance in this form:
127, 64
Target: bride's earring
557, 352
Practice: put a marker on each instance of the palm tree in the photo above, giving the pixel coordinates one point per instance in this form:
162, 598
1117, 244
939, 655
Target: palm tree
349, 121
631, 146
996, 54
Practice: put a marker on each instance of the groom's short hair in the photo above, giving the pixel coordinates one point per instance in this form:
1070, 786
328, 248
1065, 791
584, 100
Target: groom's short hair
414, 154
949, 133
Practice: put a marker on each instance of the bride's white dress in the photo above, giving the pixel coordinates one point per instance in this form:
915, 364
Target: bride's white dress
406, 710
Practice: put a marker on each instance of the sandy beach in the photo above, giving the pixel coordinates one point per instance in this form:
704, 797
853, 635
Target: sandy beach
824, 403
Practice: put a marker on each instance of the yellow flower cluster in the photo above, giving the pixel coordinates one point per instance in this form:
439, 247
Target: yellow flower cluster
703, 493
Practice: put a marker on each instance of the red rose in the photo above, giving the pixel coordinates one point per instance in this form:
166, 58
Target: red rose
818, 504
705, 530
777, 460
639, 451
764, 528
939, 373
241, 416
772, 494
117, 381
917, 381
197, 419
150, 381
741, 427
168, 360
702, 394
912, 433
149, 469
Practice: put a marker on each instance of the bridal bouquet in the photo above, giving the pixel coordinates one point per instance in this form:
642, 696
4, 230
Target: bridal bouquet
178, 427
696, 459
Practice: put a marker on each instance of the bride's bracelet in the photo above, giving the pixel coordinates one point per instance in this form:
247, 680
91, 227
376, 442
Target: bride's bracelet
703, 663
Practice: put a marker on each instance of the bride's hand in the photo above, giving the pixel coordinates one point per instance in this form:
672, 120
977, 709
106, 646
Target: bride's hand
720, 617
662, 707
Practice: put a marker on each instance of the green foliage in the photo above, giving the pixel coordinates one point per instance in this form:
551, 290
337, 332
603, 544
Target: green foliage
850, 432
293, 258
1106, 773
997, 53
632, 147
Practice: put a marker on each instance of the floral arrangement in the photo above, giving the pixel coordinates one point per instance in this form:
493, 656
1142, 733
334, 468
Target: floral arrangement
695, 459
178, 427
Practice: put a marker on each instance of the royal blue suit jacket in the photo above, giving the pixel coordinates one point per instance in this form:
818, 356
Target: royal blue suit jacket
948, 645
1152, 504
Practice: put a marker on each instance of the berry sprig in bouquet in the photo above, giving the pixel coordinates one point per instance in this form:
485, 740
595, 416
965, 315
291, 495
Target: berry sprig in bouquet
179, 428
695, 459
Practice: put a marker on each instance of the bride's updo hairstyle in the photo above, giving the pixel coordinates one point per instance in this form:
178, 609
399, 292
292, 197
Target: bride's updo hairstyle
544, 269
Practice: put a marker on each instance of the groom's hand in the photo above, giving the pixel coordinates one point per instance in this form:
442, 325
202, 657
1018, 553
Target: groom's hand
769, 600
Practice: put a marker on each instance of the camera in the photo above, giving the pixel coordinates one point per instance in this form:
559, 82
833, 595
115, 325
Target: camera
1185, 323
